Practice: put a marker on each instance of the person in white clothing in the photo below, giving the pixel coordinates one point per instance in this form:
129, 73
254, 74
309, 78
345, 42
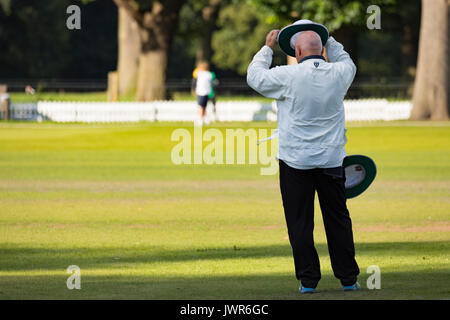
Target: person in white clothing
312, 138
202, 90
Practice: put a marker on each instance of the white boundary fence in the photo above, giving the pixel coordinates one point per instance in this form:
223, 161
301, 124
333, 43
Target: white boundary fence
23, 111
376, 109
355, 110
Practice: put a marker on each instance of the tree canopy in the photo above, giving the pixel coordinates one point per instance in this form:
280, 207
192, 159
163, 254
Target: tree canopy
36, 44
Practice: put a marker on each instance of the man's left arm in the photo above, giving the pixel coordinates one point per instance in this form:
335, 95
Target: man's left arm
270, 83
342, 60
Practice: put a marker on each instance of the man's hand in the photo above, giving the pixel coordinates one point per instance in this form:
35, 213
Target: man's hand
271, 38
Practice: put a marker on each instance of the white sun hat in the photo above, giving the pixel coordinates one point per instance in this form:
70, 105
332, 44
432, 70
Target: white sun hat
288, 35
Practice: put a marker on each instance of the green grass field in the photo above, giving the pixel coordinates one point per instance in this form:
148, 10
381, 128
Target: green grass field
108, 199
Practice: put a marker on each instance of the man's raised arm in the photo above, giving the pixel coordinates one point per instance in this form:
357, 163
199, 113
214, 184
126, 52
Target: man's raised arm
268, 82
337, 54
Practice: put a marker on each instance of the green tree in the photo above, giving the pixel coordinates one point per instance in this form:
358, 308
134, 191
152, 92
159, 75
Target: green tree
36, 44
244, 24
6, 6
31, 38
333, 13
242, 32
198, 23
206, 13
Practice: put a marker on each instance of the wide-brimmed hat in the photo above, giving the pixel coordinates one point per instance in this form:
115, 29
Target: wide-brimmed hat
286, 39
360, 171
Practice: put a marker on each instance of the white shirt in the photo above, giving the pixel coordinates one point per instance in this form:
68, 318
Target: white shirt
310, 95
4, 97
204, 80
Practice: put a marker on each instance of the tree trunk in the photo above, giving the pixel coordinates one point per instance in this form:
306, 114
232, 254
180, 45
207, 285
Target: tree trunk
157, 24
431, 88
129, 51
153, 59
113, 86
210, 14
152, 76
204, 51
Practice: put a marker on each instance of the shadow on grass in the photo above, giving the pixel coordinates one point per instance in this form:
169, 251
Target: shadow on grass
401, 281
24, 258
423, 284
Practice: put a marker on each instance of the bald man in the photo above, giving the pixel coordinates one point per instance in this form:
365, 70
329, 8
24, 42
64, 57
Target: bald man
312, 138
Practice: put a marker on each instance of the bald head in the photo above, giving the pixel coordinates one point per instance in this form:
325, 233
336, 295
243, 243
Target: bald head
308, 43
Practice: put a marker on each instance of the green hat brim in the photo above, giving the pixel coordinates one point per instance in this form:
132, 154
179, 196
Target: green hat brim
285, 35
370, 173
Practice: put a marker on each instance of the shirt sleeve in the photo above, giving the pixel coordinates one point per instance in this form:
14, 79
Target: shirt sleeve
271, 83
342, 61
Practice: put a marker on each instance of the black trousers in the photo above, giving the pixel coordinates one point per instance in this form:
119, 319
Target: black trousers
298, 189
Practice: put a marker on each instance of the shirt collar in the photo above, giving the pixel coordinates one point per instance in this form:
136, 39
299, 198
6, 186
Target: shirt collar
315, 56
